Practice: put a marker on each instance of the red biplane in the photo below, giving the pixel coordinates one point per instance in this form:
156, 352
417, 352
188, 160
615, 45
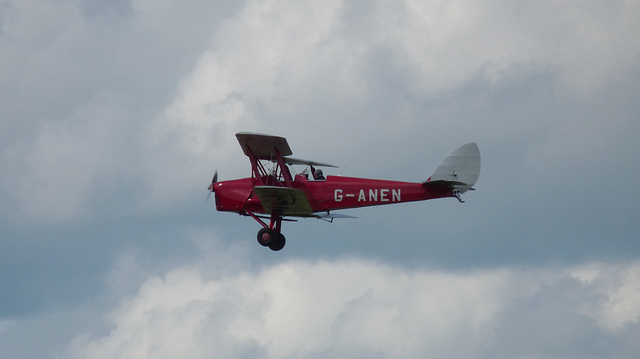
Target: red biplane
274, 191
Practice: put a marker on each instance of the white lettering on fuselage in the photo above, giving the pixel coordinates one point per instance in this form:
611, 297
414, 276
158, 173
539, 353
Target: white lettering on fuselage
372, 195
337, 195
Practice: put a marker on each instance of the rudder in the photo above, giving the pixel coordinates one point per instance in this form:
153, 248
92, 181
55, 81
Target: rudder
460, 170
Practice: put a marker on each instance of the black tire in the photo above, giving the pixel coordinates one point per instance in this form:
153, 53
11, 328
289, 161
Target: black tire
278, 243
266, 236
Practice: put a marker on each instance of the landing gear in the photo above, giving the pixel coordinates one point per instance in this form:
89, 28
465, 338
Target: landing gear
270, 236
279, 243
267, 237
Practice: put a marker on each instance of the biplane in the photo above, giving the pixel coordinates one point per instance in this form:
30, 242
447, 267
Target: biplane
275, 191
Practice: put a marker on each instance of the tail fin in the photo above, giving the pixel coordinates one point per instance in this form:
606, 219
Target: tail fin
459, 171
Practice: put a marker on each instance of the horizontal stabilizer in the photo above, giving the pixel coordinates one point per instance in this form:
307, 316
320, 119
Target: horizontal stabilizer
443, 183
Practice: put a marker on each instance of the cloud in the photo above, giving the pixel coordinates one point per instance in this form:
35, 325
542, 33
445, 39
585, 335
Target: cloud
70, 160
341, 76
83, 86
621, 287
457, 69
350, 308
114, 117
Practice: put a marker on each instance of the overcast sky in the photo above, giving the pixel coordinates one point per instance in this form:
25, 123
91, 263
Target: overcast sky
115, 114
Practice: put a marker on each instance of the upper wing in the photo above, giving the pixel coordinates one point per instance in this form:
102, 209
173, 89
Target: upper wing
284, 201
297, 161
262, 146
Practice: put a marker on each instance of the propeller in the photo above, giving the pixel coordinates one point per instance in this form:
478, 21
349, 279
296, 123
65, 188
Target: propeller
213, 182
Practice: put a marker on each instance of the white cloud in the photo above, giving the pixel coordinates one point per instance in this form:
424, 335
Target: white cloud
620, 290
325, 68
81, 90
350, 308
329, 72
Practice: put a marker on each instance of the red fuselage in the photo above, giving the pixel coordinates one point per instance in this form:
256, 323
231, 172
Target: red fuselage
336, 192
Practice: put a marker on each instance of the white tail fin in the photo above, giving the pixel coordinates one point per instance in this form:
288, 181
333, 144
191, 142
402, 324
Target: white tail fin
460, 170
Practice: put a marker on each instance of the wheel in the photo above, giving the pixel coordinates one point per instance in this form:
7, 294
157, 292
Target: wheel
278, 243
266, 236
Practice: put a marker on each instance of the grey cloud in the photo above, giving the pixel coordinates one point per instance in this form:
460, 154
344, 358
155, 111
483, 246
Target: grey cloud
114, 117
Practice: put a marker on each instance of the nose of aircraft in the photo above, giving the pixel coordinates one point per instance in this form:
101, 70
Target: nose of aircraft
211, 186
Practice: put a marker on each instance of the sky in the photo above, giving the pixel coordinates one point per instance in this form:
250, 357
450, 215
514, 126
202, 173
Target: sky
114, 115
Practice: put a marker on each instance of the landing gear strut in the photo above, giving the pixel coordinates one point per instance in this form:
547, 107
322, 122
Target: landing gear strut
270, 235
